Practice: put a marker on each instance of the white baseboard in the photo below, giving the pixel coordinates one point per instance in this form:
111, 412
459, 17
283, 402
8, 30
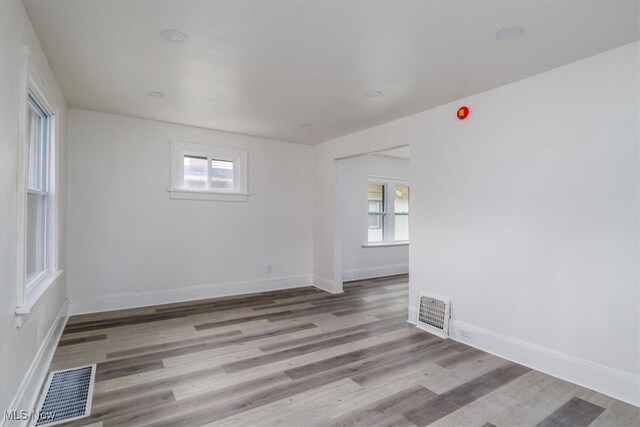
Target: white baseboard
617, 384
378, 271
143, 299
327, 285
412, 315
27, 393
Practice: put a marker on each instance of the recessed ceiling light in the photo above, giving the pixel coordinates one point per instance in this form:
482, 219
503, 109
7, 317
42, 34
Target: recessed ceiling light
510, 32
306, 125
155, 94
373, 94
174, 36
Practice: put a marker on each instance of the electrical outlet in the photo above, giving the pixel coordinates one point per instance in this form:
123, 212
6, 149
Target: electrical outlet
465, 332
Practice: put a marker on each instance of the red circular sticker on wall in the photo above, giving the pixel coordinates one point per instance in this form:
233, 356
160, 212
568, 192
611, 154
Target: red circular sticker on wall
463, 112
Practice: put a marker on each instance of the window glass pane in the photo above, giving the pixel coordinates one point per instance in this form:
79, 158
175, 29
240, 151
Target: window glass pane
376, 228
36, 234
401, 227
401, 210
377, 215
221, 174
376, 197
195, 172
37, 134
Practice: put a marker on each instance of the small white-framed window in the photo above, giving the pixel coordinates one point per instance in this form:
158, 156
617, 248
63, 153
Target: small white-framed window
388, 211
205, 172
37, 191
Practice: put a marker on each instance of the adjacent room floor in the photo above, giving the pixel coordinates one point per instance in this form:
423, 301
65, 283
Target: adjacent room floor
303, 357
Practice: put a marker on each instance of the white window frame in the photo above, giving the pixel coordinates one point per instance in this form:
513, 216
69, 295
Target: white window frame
30, 293
177, 190
388, 212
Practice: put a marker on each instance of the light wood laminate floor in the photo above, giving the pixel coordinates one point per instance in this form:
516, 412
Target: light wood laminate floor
303, 357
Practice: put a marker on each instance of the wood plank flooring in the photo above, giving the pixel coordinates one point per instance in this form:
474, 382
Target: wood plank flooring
303, 357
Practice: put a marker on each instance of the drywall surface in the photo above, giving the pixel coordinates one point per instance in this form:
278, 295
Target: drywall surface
131, 245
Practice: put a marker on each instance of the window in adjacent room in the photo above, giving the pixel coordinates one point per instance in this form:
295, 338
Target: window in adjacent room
401, 212
377, 213
208, 173
388, 211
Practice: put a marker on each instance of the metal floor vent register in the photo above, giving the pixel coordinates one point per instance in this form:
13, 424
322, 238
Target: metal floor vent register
66, 396
433, 315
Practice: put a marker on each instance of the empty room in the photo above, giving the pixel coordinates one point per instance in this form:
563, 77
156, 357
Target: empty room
312, 213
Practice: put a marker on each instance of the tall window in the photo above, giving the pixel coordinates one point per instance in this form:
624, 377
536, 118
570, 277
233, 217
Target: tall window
36, 184
388, 202
37, 218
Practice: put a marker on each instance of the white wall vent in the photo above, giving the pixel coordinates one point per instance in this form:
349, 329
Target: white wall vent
66, 396
433, 314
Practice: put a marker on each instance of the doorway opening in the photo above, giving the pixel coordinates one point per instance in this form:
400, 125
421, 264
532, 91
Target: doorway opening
372, 227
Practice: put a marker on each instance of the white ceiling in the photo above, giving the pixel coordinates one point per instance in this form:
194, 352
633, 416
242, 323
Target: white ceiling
263, 68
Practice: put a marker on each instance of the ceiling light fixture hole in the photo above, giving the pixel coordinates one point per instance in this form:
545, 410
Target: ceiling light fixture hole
373, 94
174, 36
510, 32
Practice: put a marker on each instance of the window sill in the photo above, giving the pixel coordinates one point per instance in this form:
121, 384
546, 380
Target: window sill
225, 196
36, 292
384, 244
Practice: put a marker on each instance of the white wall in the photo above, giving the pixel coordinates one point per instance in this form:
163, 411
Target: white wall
131, 245
527, 216
22, 350
359, 262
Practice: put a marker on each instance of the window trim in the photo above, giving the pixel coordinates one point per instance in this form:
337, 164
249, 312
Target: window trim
177, 190
388, 214
29, 294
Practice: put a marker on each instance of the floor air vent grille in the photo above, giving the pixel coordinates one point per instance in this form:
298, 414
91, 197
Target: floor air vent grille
66, 396
433, 315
